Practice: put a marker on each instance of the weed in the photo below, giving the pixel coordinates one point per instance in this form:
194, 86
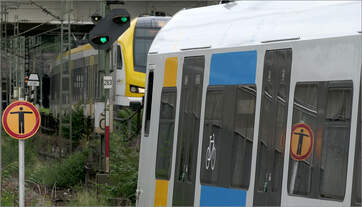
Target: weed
88, 198
66, 173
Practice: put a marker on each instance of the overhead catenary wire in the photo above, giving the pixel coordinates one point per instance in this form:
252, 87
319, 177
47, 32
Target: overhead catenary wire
33, 28
46, 11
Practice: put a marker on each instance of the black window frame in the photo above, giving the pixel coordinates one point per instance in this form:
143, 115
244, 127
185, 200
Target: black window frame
150, 85
119, 58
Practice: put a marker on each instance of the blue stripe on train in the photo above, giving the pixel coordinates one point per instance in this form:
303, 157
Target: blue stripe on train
233, 68
218, 196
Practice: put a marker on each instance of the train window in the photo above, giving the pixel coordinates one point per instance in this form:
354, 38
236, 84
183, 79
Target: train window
119, 57
212, 133
326, 108
143, 38
272, 129
335, 143
145, 32
188, 129
243, 136
228, 135
166, 132
305, 110
149, 103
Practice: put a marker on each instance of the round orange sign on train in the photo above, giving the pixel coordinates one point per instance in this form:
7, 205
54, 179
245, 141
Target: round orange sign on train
21, 120
301, 143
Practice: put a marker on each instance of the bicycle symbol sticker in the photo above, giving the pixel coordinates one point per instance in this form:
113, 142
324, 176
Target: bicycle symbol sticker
211, 153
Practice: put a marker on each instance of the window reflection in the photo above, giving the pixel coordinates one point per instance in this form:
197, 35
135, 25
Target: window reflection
326, 108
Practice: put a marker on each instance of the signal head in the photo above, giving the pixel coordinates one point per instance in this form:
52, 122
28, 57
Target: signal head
96, 17
109, 28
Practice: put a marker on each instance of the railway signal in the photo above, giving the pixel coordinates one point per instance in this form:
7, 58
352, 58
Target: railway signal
108, 29
101, 37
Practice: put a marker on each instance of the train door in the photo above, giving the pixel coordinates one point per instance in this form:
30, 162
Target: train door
272, 127
120, 76
188, 131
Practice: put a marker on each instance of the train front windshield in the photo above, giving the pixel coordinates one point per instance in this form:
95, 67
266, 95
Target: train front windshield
145, 31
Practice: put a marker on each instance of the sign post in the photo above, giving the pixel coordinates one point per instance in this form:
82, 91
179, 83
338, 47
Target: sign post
107, 84
21, 173
21, 120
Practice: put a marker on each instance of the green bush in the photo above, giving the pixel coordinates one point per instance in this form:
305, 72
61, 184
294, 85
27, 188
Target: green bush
10, 155
123, 170
122, 126
8, 198
44, 110
10, 167
66, 173
81, 126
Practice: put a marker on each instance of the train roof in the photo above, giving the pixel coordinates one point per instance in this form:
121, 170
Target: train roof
255, 22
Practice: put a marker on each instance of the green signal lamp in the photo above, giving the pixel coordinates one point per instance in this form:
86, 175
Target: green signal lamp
103, 40
120, 19
124, 19
100, 40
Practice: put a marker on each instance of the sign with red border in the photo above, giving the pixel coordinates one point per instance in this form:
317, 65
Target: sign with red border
301, 143
21, 120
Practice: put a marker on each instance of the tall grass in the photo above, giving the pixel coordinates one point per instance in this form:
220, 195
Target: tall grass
65, 173
87, 198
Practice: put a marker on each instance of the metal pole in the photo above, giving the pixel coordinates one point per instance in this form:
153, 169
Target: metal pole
21, 172
69, 8
16, 51
32, 93
21, 164
60, 100
1, 108
21, 142
106, 61
41, 76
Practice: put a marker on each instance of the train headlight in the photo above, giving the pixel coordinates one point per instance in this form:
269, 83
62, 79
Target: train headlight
136, 89
141, 90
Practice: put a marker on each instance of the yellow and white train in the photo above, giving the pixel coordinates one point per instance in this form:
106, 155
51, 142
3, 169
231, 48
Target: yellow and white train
128, 63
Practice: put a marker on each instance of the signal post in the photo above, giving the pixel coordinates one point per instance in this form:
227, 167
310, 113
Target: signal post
101, 37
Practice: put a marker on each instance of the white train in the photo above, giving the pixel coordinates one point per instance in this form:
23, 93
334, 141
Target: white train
254, 104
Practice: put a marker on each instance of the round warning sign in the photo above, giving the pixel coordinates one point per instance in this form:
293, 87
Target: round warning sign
301, 144
21, 120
